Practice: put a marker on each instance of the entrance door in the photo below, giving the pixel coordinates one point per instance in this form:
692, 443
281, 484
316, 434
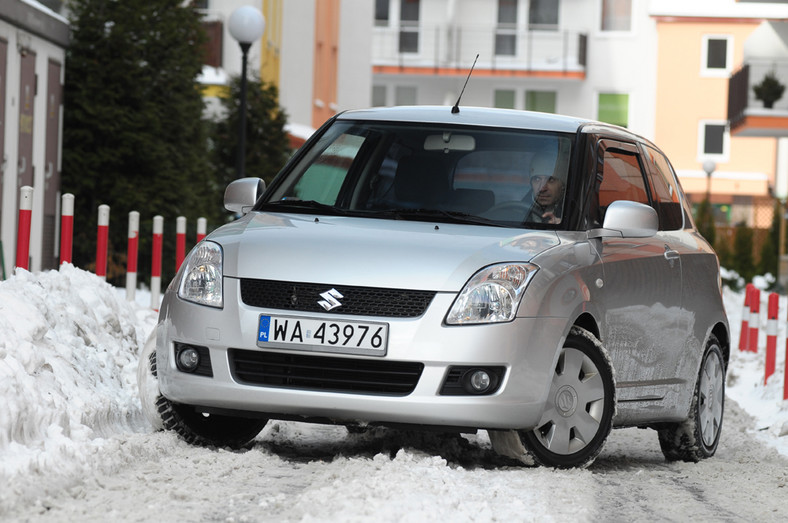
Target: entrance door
51, 171
27, 94
3, 167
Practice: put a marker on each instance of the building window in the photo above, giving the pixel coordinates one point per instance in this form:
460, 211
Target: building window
506, 30
717, 55
613, 108
212, 48
542, 101
382, 13
504, 98
405, 95
378, 95
543, 15
616, 15
409, 26
713, 140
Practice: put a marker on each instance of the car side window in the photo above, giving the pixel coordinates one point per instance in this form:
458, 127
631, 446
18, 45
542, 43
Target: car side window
665, 190
323, 179
622, 179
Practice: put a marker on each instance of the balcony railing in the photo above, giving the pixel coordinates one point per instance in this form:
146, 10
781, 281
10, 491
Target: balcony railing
741, 95
502, 47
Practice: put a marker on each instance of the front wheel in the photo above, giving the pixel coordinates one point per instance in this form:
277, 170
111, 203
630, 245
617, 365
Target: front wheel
697, 437
208, 430
578, 415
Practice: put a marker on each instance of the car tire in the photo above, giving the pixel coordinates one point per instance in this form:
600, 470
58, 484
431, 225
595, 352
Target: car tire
208, 430
192, 426
148, 383
697, 437
578, 414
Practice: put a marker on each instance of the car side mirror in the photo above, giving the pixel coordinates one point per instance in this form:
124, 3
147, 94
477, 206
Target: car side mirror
627, 219
241, 195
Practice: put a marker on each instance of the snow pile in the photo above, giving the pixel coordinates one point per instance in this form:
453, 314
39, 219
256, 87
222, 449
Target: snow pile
746, 371
68, 361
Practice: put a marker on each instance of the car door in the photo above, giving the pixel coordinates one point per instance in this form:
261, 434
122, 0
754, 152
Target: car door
641, 296
698, 265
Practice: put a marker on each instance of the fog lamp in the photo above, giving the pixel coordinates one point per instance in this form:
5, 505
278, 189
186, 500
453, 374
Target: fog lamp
480, 380
188, 359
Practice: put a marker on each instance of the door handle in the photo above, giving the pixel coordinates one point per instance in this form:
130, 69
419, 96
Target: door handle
671, 254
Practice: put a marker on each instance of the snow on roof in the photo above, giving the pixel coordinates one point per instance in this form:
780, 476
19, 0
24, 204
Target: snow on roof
213, 76
299, 130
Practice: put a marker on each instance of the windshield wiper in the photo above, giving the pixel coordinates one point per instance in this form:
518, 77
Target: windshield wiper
438, 215
302, 206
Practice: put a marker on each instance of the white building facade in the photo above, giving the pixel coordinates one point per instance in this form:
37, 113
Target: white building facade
586, 58
33, 41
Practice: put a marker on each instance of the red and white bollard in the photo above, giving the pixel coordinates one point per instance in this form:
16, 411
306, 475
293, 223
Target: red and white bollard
23, 231
771, 335
132, 254
202, 227
744, 334
180, 241
755, 313
785, 373
102, 237
66, 227
155, 266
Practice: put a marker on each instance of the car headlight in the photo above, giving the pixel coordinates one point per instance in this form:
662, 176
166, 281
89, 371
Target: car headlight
201, 280
492, 295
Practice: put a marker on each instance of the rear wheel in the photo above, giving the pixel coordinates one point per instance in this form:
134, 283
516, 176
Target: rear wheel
697, 437
209, 430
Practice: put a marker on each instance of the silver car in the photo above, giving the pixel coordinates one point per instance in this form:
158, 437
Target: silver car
535, 276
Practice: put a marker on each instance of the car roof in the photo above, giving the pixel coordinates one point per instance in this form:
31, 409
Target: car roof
491, 117
479, 116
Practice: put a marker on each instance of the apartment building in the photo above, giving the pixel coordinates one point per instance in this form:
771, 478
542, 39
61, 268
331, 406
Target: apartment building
575, 57
700, 45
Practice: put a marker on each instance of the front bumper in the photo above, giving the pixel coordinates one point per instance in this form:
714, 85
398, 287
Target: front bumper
526, 347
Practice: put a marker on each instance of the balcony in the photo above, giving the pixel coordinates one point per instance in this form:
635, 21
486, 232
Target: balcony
502, 50
746, 114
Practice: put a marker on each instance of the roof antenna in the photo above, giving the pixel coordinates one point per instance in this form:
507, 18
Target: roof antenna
456, 108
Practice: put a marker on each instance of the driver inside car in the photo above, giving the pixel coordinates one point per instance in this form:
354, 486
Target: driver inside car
547, 191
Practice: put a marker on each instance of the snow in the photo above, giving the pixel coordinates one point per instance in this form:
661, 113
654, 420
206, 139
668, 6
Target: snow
72, 425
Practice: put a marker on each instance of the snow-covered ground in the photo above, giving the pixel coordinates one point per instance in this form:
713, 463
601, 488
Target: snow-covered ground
71, 427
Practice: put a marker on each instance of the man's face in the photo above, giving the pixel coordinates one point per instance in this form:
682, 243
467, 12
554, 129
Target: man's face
547, 189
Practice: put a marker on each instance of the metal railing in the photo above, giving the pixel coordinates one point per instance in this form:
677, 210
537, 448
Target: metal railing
741, 95
451, 46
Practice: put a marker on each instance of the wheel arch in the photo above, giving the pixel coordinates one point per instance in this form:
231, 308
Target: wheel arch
587, 321
720, 331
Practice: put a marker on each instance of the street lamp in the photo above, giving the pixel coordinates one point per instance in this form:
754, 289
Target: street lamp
246, 25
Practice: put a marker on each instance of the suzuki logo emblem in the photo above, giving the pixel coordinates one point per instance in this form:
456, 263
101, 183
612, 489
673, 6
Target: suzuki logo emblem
330, 299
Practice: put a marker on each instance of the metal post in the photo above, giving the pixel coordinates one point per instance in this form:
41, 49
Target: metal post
241, 159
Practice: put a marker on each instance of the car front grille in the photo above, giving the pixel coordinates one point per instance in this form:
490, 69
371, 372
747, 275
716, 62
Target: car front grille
358, 301
296, 371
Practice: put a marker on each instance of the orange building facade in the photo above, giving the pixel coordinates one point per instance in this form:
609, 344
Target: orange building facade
696, 56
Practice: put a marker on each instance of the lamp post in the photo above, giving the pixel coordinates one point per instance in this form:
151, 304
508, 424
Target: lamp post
246, 25
709, 166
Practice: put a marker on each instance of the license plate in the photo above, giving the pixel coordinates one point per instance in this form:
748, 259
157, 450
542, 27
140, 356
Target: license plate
350, 337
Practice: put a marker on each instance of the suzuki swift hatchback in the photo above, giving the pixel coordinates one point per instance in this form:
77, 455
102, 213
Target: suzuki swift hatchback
535, 276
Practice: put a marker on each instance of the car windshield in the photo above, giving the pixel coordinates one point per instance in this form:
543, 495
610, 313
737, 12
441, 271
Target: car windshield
488, 176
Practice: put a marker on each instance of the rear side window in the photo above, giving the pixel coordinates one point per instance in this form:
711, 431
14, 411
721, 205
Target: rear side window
665, 191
